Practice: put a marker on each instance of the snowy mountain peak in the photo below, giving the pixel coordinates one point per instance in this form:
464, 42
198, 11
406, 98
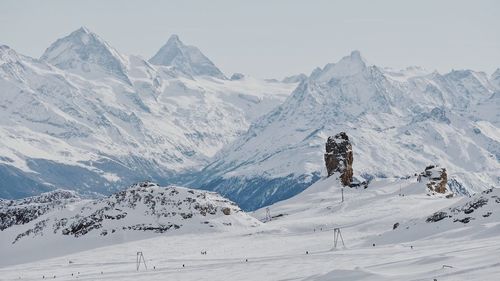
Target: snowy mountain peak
187, 59
84, 30
495, 78
7, 54
84, 53
356, 55
347, 66
174, 39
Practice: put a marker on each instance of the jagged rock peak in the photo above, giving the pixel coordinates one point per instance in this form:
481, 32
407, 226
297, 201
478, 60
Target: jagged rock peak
347, 66
339, 157
188, 59
84, 52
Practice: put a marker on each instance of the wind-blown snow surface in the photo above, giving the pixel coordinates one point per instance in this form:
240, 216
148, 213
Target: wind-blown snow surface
277, 249
398, 121
88, 118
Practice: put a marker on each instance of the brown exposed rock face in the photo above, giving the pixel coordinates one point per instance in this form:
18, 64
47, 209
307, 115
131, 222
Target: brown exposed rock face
226, 211
338, 157
437, 179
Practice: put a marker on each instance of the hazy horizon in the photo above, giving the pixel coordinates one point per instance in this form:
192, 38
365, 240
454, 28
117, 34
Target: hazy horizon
248, 38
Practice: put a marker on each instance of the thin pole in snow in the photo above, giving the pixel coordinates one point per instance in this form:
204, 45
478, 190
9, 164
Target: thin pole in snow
138, 259
336, 235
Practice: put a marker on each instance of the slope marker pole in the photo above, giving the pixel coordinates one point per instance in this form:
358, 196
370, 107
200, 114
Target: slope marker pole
336, 235
138, 259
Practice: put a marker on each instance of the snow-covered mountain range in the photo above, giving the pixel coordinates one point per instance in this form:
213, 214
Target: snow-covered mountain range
398, 121
87, 118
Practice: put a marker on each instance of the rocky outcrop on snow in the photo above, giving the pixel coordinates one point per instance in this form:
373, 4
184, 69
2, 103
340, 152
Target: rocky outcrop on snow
339, 157
145, 206
22, 211
482, 206
436, 179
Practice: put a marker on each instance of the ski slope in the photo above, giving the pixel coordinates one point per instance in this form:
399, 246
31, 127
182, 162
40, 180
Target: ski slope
277, 249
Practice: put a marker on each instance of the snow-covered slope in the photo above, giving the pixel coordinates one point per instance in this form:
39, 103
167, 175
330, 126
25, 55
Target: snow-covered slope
85, 117
476, 217
188, 59
140, 211
297, 244
364, 213
399, 122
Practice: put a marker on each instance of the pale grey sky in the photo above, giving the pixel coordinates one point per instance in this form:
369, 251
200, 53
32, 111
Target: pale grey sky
273, 38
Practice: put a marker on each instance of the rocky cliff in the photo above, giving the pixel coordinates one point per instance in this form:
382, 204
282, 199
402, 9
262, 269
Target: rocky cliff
338, 157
